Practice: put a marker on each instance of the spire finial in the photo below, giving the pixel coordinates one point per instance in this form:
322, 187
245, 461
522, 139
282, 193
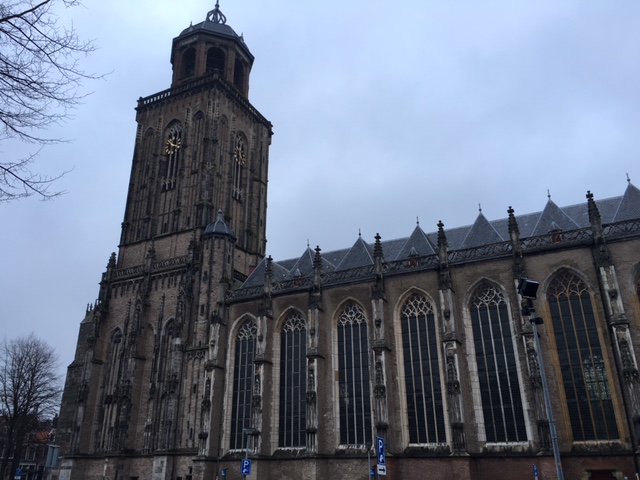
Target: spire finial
480, 207
628, 179
548, 194
418, 221
216, 16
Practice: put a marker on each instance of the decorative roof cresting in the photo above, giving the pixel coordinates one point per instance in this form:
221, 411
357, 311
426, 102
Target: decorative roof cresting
216, 16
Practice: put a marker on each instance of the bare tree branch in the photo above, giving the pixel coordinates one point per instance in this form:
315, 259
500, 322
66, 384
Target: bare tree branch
40, 78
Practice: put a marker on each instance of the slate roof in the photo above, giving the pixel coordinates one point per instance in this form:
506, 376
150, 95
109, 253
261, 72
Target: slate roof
211, 27
481, 232
220, 227
215, 24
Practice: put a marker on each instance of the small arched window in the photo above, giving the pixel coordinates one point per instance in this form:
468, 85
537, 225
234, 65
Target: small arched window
215, 60
189, 63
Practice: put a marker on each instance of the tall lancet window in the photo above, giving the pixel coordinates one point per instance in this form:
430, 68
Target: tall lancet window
173, 151
169, 358
106, 441
425, 411
293, 385
239, 161
242, 383
497, 368
353, 372
581, 360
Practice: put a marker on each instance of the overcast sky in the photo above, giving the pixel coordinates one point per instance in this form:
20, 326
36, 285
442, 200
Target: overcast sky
383, 112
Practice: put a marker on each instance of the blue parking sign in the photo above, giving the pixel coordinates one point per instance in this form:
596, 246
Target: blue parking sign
380, 450
246, 467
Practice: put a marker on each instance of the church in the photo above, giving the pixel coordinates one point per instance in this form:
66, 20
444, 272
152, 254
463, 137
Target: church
204, 359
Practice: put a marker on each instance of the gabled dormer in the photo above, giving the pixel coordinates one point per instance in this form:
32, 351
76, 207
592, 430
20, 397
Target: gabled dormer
211, 48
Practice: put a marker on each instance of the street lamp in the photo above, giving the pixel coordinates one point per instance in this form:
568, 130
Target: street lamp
248, 432
527, 290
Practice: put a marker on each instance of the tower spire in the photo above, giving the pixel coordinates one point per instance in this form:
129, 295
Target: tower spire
216, 16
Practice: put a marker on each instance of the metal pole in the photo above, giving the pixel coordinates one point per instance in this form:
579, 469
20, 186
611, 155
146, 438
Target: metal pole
547, 400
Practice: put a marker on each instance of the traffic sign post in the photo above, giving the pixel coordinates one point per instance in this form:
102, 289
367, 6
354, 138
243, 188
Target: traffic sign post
380, 450
382, 460
245, 468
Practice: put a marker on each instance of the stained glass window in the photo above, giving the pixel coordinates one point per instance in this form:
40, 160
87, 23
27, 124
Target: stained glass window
242, 383
581, 360
353, 385
293, 385
497, 369
425, 412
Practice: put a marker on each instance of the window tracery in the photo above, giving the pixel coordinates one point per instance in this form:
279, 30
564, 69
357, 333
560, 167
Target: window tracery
353, 384
581, 361
497, 368
243, 378
293, 361
425, 410
173, 152
239, 161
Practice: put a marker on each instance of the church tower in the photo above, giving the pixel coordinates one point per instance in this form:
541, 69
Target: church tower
144, 392
200, 146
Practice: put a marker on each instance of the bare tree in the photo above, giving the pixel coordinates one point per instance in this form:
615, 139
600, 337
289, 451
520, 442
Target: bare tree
29, 391
39, 83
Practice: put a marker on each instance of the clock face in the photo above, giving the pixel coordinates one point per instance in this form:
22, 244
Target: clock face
174, 142
238, 154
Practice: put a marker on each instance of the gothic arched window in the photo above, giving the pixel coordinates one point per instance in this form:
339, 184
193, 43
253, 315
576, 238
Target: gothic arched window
242, 383
169, 360
172, 150
138, 215
497, 368
425, 411
581, 361
106, 441
353, 372
239, 161
293, 385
